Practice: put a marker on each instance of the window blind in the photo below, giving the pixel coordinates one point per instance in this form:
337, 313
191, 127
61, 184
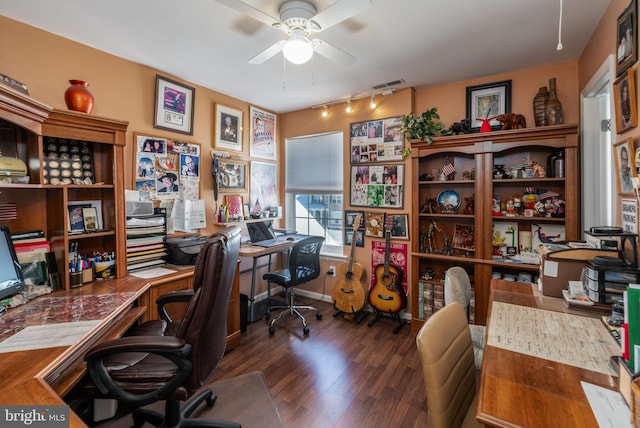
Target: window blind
314, 163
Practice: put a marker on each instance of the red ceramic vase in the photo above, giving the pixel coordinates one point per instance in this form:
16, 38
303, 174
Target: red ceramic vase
78, 97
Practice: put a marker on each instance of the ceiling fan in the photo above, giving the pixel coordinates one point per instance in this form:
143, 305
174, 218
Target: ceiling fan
299, 20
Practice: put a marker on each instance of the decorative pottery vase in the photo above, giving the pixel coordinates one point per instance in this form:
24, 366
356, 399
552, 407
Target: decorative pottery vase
540, 106
554, 107
78, 97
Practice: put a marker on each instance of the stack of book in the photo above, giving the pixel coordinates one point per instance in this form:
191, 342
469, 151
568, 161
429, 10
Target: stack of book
30, 246
146, 238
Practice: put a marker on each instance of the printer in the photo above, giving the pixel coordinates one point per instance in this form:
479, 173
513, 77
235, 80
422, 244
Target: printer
184, 250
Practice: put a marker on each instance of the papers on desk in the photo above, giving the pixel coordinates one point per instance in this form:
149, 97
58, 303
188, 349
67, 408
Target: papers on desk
152, 273
48, 336
608, 406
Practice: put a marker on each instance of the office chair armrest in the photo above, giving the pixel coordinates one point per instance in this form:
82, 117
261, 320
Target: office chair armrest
171, 348
178, 296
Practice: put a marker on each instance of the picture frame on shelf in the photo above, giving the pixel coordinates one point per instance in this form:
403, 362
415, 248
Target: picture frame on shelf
235, 204
627, 38
622, 154
229, 126
399, 226
90, 218
464, 237
488, 101
76, 207
262, 134
174, 106
625, 101
232, 175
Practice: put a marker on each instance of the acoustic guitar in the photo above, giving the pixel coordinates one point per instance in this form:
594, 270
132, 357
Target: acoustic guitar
387, 294
348, 294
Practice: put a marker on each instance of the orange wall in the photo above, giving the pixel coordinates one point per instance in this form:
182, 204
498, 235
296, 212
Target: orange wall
126, 90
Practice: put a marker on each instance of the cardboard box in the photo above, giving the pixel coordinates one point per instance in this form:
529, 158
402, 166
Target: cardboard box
561, 265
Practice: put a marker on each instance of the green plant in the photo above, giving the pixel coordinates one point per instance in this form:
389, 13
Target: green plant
421, 127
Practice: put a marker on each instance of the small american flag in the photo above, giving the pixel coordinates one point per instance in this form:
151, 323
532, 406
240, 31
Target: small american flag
448, 167
546, 194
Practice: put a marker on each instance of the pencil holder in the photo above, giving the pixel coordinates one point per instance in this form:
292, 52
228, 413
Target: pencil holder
75, 279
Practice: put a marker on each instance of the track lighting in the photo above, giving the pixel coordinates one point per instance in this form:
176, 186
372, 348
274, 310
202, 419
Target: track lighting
373, 102
348, 109
325, 111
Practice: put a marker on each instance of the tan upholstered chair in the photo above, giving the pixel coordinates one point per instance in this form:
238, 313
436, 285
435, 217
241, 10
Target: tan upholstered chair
457, 288
446, 354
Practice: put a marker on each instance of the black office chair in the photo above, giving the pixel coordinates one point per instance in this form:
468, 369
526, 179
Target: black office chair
304, 265
148, 366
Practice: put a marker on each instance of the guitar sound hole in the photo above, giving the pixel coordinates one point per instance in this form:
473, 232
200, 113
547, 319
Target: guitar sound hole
348, 276
389, 281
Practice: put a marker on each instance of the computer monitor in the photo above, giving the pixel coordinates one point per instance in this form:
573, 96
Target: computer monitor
11, 279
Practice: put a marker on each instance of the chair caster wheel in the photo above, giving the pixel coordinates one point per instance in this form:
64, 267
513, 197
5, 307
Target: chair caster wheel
305, 330
318, 316
272, 330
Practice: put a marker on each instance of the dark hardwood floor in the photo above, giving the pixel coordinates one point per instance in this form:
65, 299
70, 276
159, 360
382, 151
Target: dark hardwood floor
342, 374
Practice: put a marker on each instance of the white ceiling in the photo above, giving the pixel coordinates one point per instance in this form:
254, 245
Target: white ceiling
424, 43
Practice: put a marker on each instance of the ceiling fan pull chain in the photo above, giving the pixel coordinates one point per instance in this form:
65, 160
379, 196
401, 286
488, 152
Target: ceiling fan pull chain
560, 29
284, 73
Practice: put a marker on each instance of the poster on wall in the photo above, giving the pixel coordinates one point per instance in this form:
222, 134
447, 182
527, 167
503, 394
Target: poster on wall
397, 257
264, 194
263, 134
166, 169
378, 140
377, 185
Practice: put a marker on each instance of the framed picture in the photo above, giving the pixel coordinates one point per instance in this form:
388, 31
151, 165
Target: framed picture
399, 226
488, 101
621, 153
174, 106
624, 91
90, 218
378, 140
464, 238
263, 134
232, 175
374, 224
76, 222
228, 128
377, 185
264, 190
349, 228
627, 38
235, 205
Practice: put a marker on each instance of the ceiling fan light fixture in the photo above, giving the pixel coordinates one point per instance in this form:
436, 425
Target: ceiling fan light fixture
297, 49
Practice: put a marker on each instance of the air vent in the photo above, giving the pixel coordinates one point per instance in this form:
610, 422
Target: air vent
388, 84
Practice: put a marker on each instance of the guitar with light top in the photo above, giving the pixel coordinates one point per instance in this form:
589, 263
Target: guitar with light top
348, 294
387, 294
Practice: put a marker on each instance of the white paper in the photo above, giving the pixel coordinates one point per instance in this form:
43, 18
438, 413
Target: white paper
152, 273
194, 215
608, 406
551, 268
48, 336
131, 195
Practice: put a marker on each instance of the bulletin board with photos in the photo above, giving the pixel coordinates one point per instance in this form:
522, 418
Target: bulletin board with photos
376, 140
380, 186
166, 169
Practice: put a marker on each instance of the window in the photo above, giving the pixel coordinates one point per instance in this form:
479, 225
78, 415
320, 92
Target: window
314, 187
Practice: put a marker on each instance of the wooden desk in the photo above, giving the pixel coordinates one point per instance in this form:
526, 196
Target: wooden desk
256, 252
43, 376
517, 389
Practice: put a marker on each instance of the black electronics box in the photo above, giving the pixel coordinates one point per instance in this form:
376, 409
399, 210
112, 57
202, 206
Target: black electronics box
184, 250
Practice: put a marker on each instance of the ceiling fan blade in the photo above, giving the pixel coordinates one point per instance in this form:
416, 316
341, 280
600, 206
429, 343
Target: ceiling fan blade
269, 52
333, 53
251, 11
339, 11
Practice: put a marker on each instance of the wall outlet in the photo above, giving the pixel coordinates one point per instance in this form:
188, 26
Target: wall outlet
332, 271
